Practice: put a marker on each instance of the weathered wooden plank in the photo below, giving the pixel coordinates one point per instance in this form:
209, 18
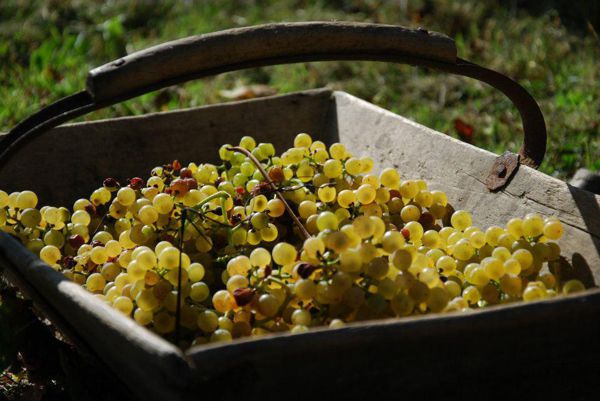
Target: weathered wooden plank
460, 169
70, 161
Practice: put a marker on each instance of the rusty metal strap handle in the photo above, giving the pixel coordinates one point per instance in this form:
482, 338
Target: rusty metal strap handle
210, 54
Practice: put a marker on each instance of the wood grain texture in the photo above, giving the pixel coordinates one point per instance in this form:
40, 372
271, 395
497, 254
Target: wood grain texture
461, 169
71, 161
207, 54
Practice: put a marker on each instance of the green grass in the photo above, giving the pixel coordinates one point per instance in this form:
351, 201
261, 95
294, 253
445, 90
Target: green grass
47, 47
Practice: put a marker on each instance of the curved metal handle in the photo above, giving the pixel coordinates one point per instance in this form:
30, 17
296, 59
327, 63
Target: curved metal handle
271, 44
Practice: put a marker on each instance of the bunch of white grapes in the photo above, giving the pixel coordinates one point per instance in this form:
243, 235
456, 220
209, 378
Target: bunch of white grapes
264, 243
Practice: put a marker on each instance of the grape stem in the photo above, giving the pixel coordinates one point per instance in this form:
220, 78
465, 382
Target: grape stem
288, 208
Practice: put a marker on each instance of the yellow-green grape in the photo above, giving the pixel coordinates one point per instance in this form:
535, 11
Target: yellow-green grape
548, 279
367, 164
50, 254
146, 300
337, 151
477, 239
363, 226
326, 194
332, 168
511, 284
143, 317
126, 196
113, 248
168, 258
402, 304
572, 286
235, 282
247, 142
110, 271
26, 200
553, 229
410, 213
146, 259
30, 217
239, 265
493, 267
221, 335
54, 237
305, 289
453, 288
533, 292
392, 240
302, 140
424, 198
533, 225
419, 292
477, 275
353, 166
524, 257
284, 253
501, 253
446, 263
461, 219
98, 255
390, 178
268, 305
223, 301
260, 257
314, 246
402, 259
438, 299
135, 270
199, 291
463, 250
123, 304
163, 203
196, 272
81, 217
102, 236
164, 323
3, 199
471, 294
439, 197
95, 282
515, 227
346, 198
208, 321
269, 233
415, 229
512, 266
409, 189
275, 208
301, 317
148, 214
492, 234
365, 194
371, 180
307, 208
327, 220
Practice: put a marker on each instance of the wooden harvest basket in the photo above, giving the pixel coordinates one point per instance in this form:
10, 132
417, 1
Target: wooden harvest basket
547, 348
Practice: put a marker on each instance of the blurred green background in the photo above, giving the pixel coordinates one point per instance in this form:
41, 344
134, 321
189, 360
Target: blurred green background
47, 47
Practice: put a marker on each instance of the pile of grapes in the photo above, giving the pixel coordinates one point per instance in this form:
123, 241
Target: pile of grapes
265, 243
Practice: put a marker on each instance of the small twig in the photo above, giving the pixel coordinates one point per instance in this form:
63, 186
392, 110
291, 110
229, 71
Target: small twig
288, 208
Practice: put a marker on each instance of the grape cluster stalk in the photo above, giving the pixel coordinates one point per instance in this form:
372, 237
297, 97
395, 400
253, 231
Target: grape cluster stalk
264, 243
